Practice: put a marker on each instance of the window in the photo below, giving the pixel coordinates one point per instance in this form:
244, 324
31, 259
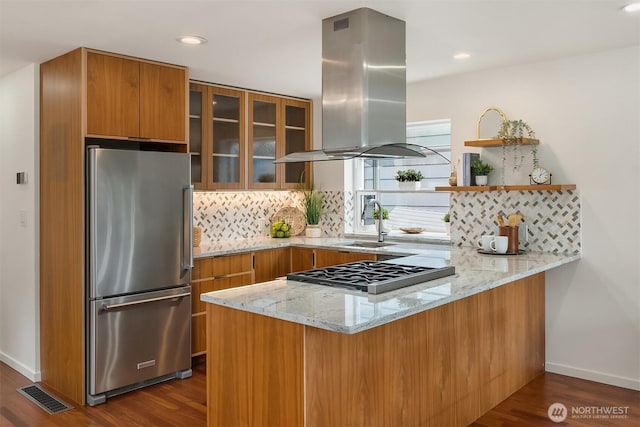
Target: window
425, 208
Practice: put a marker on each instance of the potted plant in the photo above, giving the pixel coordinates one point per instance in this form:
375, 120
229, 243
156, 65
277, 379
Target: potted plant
409, 179
482, 171
312, 211
447, 223
376, 217
512, 134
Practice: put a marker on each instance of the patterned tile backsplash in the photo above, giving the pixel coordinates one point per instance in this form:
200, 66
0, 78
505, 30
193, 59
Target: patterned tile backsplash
552, 217
228, 215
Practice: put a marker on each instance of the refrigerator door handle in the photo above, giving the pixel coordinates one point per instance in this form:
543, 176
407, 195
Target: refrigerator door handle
110, 307
187, 209
92, 227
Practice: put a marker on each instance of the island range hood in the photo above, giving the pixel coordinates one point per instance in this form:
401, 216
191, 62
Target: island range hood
363, 89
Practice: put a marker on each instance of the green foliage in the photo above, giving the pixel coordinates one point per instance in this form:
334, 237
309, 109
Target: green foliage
312, 206
376, 214
511, 133
447, 217
409, 175
481, 168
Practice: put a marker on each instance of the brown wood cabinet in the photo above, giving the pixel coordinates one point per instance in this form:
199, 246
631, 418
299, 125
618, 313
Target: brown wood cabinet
217, 136
236, 134
445, 366
135, 99
271, 264
214, 274
327, 257
87, 94
302, 258
277, 126
308, 258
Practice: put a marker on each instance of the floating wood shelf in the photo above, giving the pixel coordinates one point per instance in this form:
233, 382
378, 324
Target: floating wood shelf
496, 142
543, 187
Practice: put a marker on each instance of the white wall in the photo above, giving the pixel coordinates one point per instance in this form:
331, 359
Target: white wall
19, 311
586, 113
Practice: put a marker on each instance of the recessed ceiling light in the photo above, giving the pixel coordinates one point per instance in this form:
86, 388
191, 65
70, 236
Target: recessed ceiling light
461, 55
633, 7
192, 40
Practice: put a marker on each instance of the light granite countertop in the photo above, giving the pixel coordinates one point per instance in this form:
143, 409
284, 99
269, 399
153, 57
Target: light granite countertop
228, 247
349, 311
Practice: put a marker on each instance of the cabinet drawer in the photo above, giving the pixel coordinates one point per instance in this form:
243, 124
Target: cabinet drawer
206, 268
205, 286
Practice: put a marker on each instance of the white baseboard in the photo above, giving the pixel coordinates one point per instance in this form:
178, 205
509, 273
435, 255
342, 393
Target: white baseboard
586, 374
21, 368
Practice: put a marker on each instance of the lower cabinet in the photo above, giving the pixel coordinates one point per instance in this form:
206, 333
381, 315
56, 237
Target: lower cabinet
271, 263
231, 271
214, 274
326, 257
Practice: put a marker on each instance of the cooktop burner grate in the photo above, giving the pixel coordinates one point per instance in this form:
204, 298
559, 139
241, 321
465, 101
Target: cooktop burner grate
370, 276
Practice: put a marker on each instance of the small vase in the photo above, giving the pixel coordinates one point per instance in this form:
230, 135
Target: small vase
409, 185
313, 231
453, 179
447, 226
481, 179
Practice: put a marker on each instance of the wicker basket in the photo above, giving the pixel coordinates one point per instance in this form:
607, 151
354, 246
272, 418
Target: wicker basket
197, 236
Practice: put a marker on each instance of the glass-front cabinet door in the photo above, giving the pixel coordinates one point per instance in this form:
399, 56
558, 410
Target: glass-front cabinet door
197, 120
236, 135
227, 138
264, 137
297, 130
217, 137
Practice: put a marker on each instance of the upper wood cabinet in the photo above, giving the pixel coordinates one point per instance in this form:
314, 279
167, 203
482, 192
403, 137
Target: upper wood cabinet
130, 98
235, 136
277, 127
296, 116
85, 96
217, 136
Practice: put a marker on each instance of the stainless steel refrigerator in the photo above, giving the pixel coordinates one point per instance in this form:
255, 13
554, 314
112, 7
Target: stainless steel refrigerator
138, 264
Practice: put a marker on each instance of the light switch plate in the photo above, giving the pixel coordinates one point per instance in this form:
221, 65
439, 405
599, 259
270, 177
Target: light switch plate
21, 178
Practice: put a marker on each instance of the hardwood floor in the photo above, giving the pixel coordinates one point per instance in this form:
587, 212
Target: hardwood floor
172, 403
183, 403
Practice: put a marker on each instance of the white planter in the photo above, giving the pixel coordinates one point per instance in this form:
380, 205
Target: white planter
447, 226
409, 185
481, 179
313, 231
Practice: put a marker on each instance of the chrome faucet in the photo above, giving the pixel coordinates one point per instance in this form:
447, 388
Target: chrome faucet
380, 235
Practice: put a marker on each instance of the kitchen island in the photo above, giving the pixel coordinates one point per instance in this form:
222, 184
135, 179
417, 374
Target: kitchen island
438, 353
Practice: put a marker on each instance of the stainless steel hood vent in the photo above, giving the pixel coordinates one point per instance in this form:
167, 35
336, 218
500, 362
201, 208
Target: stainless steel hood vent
363, 89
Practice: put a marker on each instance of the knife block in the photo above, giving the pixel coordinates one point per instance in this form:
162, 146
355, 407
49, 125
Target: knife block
512, 234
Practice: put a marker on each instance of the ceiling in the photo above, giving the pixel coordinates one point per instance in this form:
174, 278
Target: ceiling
275, 45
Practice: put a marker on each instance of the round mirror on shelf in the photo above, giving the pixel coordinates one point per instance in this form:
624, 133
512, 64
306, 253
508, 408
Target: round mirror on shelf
490, 122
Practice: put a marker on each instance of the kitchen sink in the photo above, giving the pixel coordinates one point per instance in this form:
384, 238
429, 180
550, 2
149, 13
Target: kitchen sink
367, 244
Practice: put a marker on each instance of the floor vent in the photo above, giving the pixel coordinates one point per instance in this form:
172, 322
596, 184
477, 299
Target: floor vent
43, 399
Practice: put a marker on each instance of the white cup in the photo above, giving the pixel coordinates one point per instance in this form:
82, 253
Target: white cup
484, 242
500, 244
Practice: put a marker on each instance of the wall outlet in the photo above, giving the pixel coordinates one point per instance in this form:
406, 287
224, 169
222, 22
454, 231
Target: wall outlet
523, 232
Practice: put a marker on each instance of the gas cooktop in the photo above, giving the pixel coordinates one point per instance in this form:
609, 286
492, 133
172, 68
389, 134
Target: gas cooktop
370, 276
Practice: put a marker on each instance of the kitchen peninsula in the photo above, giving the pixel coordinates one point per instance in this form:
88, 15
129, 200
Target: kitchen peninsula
438, 353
